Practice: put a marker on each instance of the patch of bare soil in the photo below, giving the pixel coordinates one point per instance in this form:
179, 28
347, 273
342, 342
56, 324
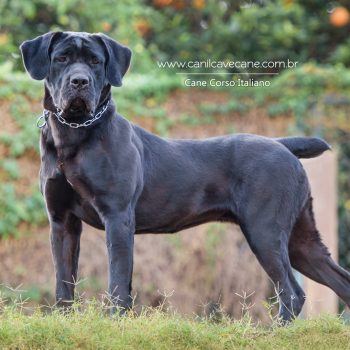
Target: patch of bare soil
256, 121
28, 162
8, 125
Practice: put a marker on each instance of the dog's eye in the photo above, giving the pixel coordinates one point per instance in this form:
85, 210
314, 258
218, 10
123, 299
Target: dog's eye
95, 60
61, 59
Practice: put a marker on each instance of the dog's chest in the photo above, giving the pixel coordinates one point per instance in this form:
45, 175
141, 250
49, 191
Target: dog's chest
77, 179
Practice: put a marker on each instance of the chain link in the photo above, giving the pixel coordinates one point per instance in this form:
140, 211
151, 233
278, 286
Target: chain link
39, 123
59, 117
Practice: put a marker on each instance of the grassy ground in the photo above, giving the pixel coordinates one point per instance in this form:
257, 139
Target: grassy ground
153, 329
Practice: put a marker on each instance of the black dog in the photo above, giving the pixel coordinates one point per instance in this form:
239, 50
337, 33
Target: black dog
99, 168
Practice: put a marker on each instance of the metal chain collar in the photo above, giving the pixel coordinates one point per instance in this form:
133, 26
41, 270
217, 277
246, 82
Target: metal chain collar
42, 120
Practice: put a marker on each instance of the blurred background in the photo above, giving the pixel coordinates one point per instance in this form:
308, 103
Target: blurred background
211, 265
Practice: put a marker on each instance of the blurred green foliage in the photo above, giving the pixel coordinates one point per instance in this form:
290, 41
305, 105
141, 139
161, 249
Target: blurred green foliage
183, 29
25, 19
248, 30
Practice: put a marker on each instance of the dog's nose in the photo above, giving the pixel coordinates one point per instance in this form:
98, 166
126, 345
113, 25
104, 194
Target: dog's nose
79, 81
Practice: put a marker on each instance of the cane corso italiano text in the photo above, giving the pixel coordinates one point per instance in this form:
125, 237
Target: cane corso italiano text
99, 168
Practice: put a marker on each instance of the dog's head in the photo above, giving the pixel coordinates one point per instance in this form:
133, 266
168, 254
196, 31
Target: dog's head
78, 68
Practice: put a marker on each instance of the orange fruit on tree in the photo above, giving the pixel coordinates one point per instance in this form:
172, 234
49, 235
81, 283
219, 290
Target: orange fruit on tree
339, 17
162, 3
178, 4
198, 4
106, 26
142, 26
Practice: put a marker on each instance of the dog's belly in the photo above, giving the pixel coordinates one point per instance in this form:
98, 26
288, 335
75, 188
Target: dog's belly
172, 226
152, 222
158, 216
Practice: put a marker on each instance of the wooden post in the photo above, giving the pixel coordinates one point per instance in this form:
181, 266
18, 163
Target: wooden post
322, 174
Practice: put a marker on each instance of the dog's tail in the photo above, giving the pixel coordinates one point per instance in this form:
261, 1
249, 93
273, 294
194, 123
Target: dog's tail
304, 147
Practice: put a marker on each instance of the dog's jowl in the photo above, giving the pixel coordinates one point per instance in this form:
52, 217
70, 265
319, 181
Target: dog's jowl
99, 168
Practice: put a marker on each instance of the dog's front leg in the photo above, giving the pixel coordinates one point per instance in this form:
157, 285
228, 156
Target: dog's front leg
65, 245
65, 231
120, 242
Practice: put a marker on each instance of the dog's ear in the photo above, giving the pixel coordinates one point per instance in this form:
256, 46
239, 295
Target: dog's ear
118, 60
35, 54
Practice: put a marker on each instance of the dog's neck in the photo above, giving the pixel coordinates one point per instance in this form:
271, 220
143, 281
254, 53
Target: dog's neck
68, 140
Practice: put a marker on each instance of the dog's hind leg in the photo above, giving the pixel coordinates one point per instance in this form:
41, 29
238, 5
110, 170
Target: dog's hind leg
270, 245
310, 256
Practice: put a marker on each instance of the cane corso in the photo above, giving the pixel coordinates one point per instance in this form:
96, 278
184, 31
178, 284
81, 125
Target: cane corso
99, 168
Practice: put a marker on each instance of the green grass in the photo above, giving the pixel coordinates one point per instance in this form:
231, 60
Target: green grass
154, 329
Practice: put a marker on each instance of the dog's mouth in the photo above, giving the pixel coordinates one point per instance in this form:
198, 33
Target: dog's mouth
77, 106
